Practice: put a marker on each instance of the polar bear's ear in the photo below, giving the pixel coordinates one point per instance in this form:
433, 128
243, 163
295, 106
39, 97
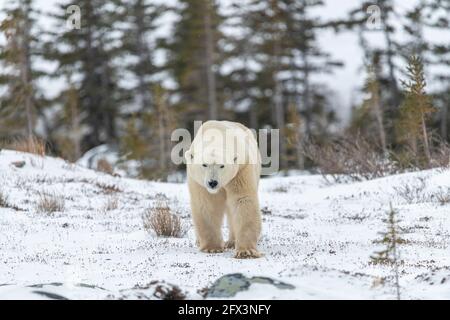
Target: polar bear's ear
235, 159
189, 156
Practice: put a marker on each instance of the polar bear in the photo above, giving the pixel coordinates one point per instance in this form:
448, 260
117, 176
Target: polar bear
223, 170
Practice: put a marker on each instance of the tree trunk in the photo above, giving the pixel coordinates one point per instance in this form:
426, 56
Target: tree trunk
297, 121
307, 95
162, 139
374, 88
390, 61
253, 112
209, 64
444, 121
89, 98
75, 122
396, 262
380, 120
143, 56
279, 109
107, 111
253, 117
26, 69
426, 144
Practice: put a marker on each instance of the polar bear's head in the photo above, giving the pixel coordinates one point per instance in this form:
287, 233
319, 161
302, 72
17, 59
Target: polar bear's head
210, 169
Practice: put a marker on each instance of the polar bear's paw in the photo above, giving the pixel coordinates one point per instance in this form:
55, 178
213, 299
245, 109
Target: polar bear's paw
212, 250
248, 254
229, 244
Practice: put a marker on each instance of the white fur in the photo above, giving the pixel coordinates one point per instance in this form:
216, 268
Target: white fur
226, 152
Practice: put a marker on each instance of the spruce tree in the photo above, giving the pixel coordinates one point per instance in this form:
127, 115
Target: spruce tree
139, 45
21, 100
146, 136
438, 19
416, 110
368, 119
66, 127
88, 55
281, 40
383, 22
413, 28
195, 57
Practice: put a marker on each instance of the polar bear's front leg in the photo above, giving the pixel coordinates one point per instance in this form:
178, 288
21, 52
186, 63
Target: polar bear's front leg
230, 244
207, 214
208, 231
247, 227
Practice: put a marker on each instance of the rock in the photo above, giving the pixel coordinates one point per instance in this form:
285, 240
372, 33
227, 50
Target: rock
49, 295
230, 284
18, 164
52, 291
159, 290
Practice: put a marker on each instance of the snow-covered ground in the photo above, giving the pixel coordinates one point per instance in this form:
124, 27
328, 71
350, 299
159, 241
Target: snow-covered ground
316, 236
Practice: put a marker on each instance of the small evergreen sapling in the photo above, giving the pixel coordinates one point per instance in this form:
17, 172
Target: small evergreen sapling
391, 239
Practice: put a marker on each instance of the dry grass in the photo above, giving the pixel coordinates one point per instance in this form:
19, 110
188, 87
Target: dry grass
352, 157
111, 204
440, 154
414, 192
162, 221
280, 189
443, 197
164, 291
4, 202
50, 203
103, 165
32, 145
107, 188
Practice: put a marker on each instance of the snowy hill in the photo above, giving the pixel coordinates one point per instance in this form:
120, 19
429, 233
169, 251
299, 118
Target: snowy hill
317, 237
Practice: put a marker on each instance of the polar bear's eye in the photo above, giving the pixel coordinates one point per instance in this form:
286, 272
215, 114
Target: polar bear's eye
204, 165
222, 166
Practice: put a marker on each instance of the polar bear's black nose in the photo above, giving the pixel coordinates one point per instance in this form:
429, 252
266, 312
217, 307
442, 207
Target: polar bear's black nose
213, 183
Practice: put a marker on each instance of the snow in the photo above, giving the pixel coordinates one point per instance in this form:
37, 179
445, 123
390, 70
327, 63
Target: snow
316, 236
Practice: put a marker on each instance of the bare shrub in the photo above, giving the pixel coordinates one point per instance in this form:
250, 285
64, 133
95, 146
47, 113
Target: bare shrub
162, 221
111, 204
440, 155
161, 196
443, 197
280, 189
50, 203
266, 211
103, 165
32, 145
161, 290
414, 193
409, 159
165, 291
353, 158
4, 202
107, 188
